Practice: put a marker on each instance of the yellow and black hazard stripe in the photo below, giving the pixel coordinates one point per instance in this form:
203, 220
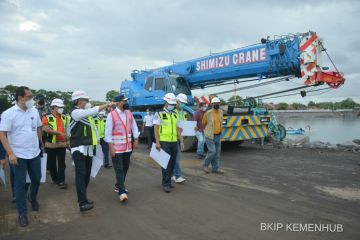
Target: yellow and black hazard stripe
246, 127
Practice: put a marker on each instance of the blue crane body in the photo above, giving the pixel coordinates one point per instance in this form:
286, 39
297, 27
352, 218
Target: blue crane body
294, 55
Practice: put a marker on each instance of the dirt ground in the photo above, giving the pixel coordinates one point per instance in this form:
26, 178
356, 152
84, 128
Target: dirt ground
261, 187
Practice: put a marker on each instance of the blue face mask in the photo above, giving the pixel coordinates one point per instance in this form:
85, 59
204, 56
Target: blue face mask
170, 107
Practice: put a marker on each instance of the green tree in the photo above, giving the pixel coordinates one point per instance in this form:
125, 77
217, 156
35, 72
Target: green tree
311, 104
235, 100
111, 94
282, 106
298, 106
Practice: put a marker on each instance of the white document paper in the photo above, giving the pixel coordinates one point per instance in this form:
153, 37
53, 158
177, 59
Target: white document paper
97, 161
43, 170
2, 175
188, 128
161, 157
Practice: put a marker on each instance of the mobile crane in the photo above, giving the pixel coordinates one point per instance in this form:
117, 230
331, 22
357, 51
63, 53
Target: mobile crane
270, 61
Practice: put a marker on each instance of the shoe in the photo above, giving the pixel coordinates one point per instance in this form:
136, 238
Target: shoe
172, 186
167, 189
123, 197
13, 200
86, 206
23, 221
90, 201
116, 189
206, 169
107, 166
218, 171
173, 178
199, 156
62, 185
35, 206
180, 180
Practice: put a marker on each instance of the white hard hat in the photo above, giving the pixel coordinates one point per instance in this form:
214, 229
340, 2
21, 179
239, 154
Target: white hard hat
78, 94
170, 98
215, 100
182, 98
57, 102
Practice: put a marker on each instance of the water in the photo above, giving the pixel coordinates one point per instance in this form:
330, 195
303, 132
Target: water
333, 130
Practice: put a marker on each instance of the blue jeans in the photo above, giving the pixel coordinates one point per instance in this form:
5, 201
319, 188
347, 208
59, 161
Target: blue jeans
105, 150
201, 141
33, 167
170, 148
177, 168
214, 150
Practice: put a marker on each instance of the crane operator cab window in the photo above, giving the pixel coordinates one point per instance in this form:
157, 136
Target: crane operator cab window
149, 83
159, 84
179, 85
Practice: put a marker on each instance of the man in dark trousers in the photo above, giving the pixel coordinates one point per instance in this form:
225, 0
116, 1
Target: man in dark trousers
83, 138
167, 134
20, 134
121, 133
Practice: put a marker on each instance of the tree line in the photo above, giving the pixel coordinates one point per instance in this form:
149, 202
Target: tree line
7, 98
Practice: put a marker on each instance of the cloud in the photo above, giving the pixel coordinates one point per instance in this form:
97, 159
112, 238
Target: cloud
94, 45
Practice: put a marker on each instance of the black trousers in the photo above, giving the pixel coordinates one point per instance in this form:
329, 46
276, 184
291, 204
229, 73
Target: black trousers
82, 174
171, 148
149, 131
121, 163
56, 161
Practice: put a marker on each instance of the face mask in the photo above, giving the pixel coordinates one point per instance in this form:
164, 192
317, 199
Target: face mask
181, 105
60, 110
170, 107
87, 105
126, 106
29, 103
216, 106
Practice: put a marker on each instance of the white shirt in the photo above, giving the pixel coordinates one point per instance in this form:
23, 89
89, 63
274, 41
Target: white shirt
21, 128
77, 115
148, 120
109, 127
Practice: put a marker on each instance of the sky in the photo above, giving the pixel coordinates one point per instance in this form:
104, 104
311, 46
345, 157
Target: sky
94, 45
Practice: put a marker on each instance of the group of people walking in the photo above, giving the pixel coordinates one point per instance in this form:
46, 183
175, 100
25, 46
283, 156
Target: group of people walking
21, 134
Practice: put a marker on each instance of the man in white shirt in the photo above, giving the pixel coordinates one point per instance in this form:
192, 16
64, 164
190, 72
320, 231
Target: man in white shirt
122, 134
83, 137
148, 128
20, 134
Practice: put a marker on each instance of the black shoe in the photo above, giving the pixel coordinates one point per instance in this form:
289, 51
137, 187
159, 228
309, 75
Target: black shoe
23, 221
86, 206
107, 166
35, 206
167, 189
90, 201
172, 186
62, 185
13, 200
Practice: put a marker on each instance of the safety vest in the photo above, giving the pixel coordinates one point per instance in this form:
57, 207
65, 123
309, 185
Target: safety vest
53, 126
82, 133
121, 132
182, 115
100, 124
167, 128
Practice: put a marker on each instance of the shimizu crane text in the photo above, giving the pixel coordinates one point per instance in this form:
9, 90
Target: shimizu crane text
241, 57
